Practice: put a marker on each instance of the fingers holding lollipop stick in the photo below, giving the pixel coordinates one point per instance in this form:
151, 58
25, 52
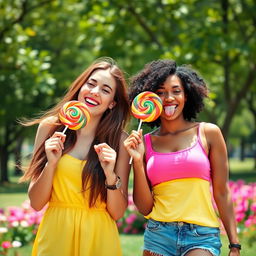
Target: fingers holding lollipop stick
146, 106
74, 115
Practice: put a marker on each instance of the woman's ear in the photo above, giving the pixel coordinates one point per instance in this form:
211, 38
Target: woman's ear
112, 105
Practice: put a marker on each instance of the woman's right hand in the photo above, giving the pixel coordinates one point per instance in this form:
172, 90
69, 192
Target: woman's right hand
54, 146
135, 146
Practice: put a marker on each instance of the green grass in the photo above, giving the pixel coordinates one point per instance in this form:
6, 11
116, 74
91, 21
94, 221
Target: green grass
237, 166
242, 170
12, 199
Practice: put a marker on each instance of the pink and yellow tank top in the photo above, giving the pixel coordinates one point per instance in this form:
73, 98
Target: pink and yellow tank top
181, 184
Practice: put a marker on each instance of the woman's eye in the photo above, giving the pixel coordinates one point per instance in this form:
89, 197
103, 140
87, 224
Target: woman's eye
106, 91
160, 93
90, 84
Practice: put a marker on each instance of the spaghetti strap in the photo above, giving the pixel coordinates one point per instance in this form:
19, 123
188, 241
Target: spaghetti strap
199, 132
199, 128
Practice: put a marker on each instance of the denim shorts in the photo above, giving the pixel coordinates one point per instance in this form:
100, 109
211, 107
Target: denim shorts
178, 238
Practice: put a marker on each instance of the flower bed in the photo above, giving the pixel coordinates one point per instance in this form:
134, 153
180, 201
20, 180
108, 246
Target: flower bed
18, 225
244, 198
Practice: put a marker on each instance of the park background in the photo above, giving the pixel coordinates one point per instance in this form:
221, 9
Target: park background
45, 44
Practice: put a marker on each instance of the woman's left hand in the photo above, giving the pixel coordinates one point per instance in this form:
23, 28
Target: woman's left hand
107, 158
234, 252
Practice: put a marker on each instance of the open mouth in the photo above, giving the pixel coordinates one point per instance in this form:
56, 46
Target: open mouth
91, 102
170, 109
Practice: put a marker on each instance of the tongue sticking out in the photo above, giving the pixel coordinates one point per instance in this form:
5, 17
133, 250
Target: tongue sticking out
169, 110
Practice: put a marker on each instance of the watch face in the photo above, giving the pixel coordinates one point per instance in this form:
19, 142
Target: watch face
118, 183
116, 186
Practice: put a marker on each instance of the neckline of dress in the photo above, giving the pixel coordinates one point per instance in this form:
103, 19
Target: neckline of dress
75, 158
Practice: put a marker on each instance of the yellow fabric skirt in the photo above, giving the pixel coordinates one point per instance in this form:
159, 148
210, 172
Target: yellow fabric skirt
69, 227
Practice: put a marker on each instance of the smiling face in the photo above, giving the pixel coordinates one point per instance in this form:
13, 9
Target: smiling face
98, 92
172, 94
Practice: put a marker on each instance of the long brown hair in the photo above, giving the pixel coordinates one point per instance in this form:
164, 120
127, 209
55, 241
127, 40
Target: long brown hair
109, 131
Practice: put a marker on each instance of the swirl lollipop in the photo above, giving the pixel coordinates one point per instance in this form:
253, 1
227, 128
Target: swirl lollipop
74, 115
146, 106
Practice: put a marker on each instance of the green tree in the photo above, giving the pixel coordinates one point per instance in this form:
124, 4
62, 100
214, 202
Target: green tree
216, 37
45, 44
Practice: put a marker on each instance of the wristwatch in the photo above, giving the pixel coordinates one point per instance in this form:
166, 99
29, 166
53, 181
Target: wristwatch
117, 184
238, 246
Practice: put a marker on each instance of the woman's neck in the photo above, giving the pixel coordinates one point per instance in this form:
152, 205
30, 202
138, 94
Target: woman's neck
89, 130
85, 137
174, 126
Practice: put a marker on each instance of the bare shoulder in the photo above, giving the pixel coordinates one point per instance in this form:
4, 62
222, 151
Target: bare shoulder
49, 121
212, 131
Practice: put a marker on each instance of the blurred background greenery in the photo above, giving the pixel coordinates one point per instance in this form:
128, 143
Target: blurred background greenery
46, 44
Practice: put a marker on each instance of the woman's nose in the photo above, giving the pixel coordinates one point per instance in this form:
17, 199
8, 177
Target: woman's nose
95, 90
169, 96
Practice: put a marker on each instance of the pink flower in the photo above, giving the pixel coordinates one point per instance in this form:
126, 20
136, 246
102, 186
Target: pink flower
6, 244
240, 216
249, 222
132, 217
253, 207
119, 224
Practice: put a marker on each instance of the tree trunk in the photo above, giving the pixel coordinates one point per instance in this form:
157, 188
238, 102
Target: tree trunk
4, 164
4, 155
242, 146
17, 156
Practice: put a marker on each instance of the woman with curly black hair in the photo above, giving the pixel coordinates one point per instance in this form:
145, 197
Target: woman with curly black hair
175, 166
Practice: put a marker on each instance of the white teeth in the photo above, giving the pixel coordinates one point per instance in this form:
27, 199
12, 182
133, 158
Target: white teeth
91, 102
169, 110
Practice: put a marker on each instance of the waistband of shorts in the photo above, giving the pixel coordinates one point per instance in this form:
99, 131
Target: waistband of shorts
177, 224
76, 206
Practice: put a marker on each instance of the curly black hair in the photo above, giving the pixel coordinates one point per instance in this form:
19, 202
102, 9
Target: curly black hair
155, 74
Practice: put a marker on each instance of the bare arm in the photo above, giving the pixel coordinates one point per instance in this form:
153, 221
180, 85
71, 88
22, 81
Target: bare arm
142, 194
40, 189
221, 192
117, 200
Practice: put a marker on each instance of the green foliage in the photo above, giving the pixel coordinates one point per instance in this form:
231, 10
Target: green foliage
44, 45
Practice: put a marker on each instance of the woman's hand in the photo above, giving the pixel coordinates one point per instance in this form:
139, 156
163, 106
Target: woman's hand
135, 146
234, 252
107, 158
54, 146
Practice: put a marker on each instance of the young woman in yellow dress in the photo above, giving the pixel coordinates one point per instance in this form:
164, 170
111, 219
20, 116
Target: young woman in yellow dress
82, 175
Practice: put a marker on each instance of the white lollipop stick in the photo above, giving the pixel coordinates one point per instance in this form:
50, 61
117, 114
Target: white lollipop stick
66, 127
130, 162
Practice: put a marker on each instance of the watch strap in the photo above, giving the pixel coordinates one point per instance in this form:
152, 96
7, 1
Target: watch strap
116, 185
238, 246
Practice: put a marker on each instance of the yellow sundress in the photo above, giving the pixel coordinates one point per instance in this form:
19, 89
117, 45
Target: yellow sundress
69, 227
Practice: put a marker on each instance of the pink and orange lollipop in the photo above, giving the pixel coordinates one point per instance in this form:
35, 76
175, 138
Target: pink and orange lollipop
74, 115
